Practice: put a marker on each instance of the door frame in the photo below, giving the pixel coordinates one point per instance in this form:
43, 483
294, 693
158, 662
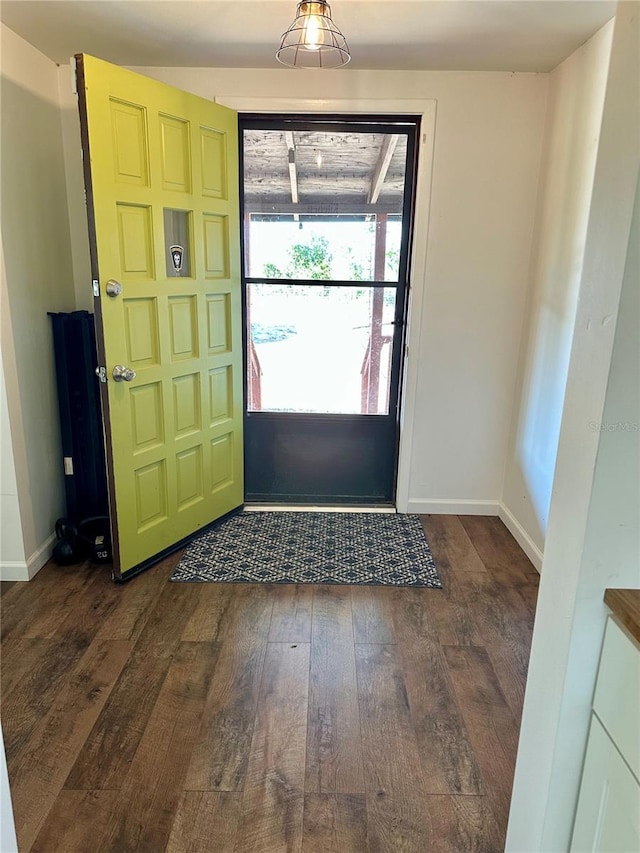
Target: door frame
417, 278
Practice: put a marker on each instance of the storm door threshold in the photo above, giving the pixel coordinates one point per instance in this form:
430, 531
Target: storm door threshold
258, 507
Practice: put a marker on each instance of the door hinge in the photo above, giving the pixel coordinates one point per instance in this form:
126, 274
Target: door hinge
101, 373
96, 287
68, 466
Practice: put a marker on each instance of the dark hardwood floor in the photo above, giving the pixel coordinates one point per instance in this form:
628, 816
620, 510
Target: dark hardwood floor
264, 719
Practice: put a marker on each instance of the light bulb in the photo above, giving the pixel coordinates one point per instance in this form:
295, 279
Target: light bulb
313, 37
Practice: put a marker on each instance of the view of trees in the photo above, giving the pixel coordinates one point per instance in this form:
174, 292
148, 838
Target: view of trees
306, 260
313, 260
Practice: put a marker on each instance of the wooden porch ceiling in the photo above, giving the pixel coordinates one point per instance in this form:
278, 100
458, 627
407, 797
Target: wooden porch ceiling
323, 173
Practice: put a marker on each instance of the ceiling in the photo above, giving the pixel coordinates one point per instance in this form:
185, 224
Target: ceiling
454, 35
323, 172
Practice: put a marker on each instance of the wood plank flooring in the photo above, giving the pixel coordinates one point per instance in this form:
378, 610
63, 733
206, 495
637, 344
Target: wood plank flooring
206, 718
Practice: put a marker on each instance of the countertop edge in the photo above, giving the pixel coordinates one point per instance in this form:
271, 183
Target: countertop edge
625, 606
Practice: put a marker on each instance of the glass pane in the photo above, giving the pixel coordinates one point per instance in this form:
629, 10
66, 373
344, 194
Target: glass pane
319, 349
323, 205
176, 241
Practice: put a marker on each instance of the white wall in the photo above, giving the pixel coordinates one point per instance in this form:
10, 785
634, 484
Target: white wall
488, 143
611, 555
36, 277
574, 116
593, 523
12, 555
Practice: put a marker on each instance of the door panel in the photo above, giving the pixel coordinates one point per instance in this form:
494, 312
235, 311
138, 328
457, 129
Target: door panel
161, 173
320, 459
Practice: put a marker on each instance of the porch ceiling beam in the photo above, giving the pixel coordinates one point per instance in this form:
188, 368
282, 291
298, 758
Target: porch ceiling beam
382, 166
319, 208
293, 173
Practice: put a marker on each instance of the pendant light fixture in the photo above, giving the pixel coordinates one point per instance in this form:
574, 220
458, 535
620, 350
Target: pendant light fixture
313, 40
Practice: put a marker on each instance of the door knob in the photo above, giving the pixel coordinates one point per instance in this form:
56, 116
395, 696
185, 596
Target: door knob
123, 374
114, 288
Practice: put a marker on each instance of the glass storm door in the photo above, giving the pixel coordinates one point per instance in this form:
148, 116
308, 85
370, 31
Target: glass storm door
327, 207
161, 174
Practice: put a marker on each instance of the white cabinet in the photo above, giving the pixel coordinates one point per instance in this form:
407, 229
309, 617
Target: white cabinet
609, 806
608, 814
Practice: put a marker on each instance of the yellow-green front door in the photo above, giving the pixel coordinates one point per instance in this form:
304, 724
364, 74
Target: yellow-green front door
161, 171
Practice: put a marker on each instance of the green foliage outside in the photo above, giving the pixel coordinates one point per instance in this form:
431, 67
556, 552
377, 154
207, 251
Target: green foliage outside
306, 260
313, 261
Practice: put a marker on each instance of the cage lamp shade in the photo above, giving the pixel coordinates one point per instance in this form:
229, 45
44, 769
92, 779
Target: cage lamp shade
313, 40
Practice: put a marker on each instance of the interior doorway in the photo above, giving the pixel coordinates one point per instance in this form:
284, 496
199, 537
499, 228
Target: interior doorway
327, 206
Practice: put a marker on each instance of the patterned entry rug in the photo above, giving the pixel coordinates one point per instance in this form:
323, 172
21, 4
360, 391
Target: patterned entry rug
312, 547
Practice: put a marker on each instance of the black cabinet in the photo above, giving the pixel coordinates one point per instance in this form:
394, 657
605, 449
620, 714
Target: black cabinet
80, 415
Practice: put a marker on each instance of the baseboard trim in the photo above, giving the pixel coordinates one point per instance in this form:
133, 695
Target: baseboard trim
25, 570
41, 556
14, 571
451, 507
521, 536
